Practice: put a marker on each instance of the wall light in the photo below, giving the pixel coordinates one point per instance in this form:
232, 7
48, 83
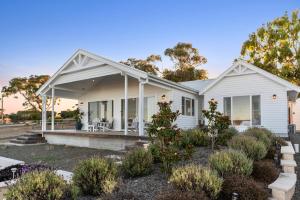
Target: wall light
163, 98
274, 97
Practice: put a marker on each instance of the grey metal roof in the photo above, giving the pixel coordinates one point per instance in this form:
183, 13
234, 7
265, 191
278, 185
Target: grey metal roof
198, 84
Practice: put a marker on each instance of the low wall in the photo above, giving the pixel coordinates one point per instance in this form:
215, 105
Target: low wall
97, 141
10, 131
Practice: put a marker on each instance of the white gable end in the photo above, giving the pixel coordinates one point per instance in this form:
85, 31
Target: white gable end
240, 70
81, 61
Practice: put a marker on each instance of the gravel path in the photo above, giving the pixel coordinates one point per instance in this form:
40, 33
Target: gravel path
296, 139
57, 156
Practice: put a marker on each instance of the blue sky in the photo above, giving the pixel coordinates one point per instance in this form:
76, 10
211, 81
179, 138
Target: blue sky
38, 36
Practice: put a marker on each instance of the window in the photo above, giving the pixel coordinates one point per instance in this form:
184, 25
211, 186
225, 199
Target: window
243, 110
227, 106
188, 106
256, 115
102, 110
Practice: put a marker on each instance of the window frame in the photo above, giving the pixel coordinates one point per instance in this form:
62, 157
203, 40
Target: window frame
184, 108
251, 107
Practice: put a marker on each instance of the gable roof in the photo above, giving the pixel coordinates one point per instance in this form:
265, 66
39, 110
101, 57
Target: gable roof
122, 67
258, 70
198, 84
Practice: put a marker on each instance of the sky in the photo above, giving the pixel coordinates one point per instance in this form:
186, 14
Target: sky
37, 37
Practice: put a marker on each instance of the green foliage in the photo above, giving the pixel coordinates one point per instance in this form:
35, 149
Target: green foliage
275, 47
217, 122
246, 187
186, 74
261, 134
27, 88
253, 148
280, 141
265, 171
147, 65
165, 134
186, 58
43, 185
95, 176
137, 163
196, 178
195, 137
154, 149
68, 114
226, 135
231, 162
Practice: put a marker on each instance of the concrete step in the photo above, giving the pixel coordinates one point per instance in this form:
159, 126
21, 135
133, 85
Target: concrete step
16, 141
29, 139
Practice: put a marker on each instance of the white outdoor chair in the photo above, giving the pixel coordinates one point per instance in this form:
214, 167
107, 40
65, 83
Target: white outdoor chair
94, 126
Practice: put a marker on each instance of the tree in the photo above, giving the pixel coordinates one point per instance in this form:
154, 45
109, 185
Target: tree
165, 134
275, 47
186, 59
217, 122
27, 88
147, 65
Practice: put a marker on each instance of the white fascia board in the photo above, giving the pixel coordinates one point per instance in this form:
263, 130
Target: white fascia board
273, 77
122, 67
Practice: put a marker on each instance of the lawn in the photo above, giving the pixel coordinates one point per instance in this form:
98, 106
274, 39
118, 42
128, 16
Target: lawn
57, 156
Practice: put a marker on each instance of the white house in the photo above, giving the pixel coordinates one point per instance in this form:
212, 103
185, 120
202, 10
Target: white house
109, 90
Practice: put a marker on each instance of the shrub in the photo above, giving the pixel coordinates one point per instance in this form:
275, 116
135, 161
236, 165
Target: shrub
261, 134
95, 176
265, 171
43, 185
195, 137
164, 133
246, 187
154, 150
226, 135
217, 122
196, 178
172, 194
137, 163
280, 141
231, 162
253, 148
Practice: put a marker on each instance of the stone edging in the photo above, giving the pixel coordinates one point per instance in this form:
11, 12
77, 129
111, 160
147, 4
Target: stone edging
283, 188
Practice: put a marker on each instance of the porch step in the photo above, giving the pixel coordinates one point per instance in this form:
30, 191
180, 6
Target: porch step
29, 139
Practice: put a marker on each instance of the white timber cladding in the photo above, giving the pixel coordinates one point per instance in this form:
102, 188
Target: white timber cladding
183, 121
274, 112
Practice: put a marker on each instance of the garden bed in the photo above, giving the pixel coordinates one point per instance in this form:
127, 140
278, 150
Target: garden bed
54, 156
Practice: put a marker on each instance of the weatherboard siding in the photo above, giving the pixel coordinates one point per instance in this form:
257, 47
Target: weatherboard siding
273, 112
183, 121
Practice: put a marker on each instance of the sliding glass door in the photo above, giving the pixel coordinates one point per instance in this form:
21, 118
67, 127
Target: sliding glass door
132, 110
101, 110
149, 109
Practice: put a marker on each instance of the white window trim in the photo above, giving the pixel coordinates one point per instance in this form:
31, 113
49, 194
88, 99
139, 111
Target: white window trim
191, 104
251, 110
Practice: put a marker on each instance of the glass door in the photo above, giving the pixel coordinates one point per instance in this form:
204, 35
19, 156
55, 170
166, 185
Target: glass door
132, 110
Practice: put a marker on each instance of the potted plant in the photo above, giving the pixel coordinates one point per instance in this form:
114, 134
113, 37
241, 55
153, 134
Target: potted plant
78, 117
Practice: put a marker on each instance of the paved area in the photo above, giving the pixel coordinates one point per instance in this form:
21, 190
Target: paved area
296, 140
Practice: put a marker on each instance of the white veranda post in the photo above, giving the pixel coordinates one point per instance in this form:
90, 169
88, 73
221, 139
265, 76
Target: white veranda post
52, 108
141, 108
44, 113
126, 104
